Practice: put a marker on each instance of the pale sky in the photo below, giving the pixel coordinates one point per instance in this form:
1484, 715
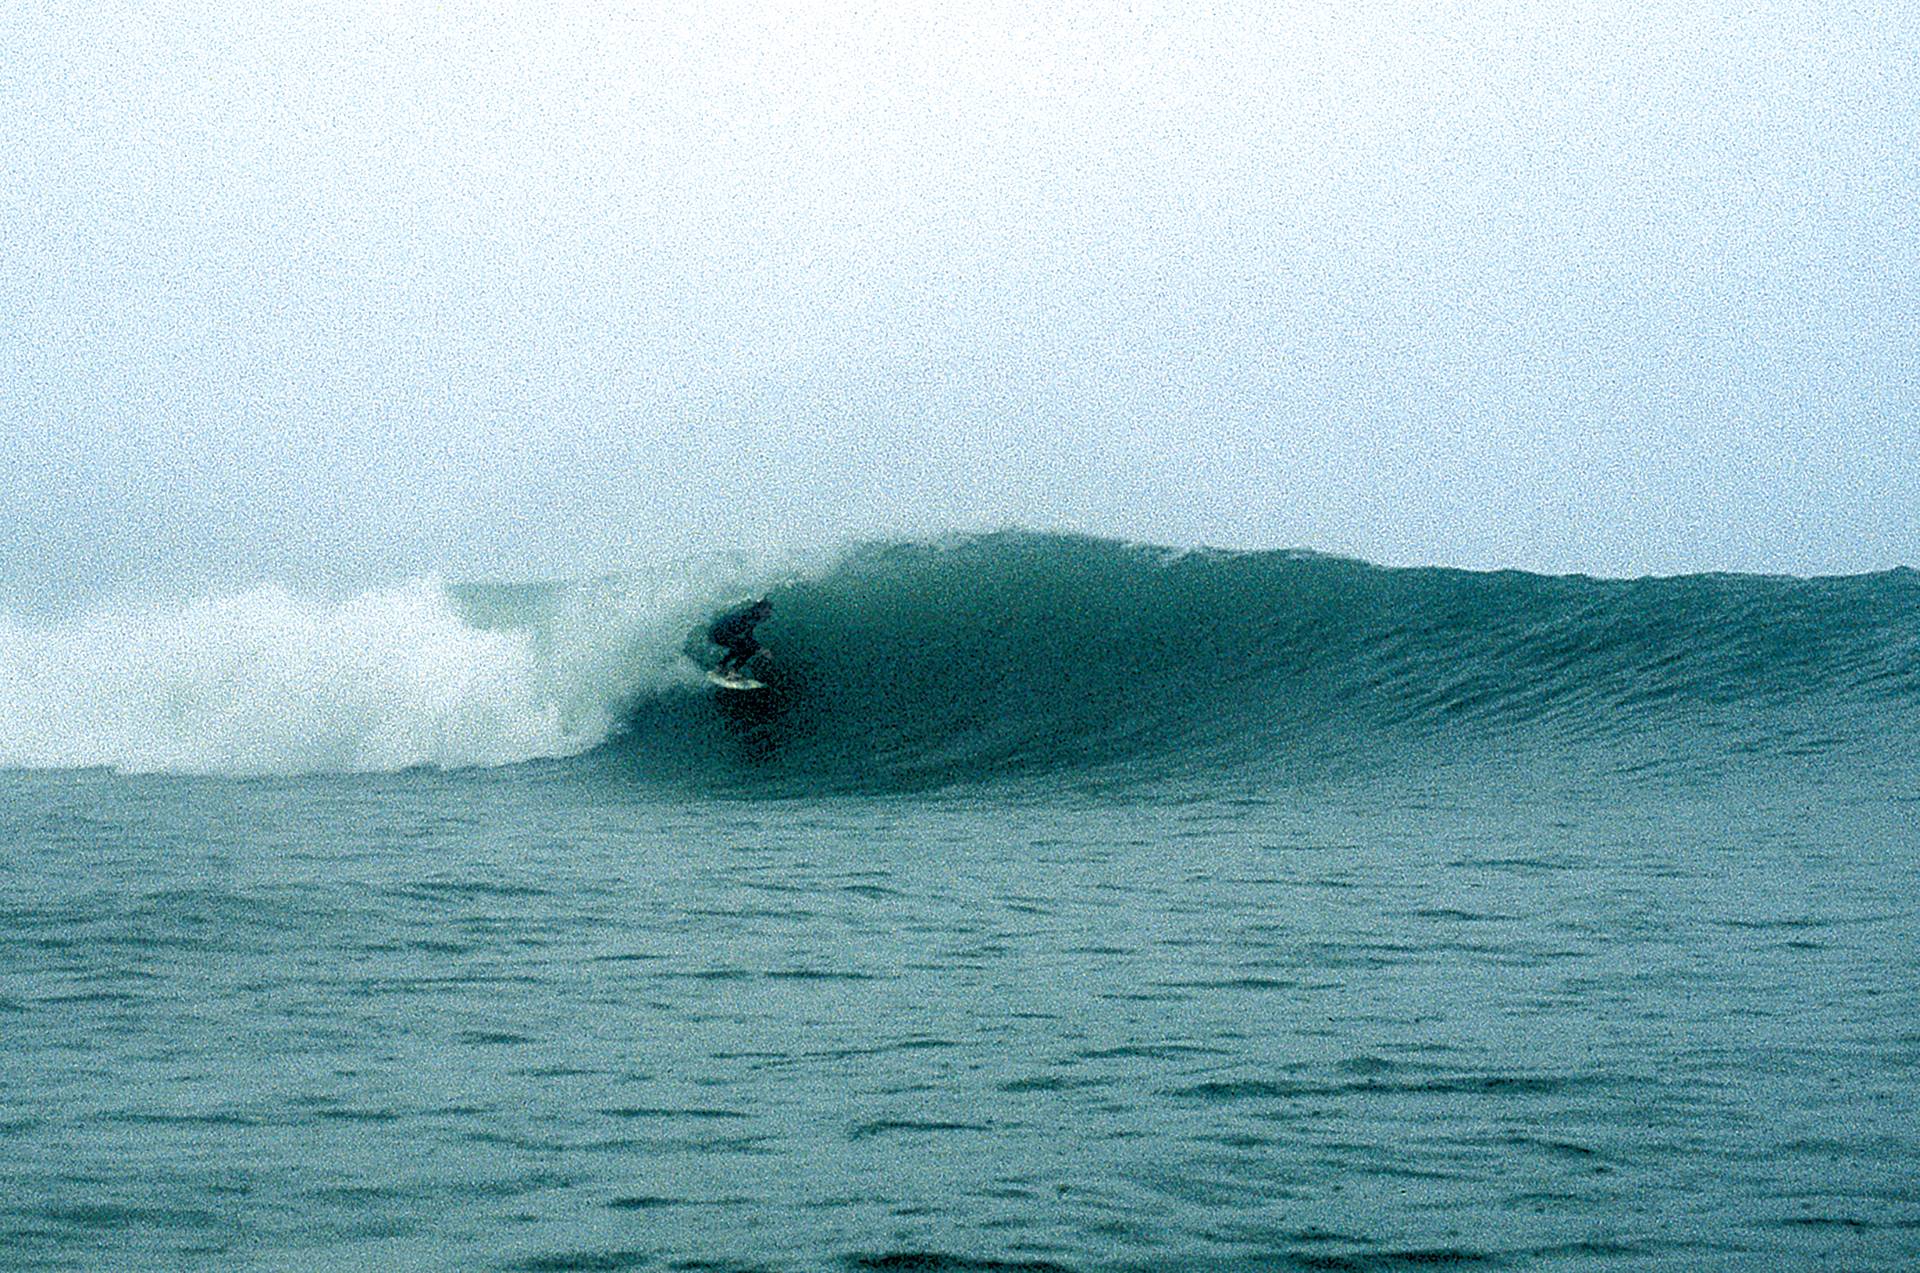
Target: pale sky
344, 293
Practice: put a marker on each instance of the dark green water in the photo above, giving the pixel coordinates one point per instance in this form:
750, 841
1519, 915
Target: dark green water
1135, 911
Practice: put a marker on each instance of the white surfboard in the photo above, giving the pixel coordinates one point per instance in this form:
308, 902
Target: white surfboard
734, 680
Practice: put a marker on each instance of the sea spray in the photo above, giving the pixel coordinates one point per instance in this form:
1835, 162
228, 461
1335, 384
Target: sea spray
265, 681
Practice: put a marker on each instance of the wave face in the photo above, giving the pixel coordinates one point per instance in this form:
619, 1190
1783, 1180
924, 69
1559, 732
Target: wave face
993, 658
1018, 654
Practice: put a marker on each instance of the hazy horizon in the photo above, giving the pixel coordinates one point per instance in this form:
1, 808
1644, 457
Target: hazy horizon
353, 294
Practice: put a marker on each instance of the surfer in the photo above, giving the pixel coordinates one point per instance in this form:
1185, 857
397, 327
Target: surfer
734, 631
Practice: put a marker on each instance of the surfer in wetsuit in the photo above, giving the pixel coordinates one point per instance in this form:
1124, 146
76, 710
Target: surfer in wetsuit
735, 632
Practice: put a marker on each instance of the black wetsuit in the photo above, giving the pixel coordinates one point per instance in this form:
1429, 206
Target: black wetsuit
735, 632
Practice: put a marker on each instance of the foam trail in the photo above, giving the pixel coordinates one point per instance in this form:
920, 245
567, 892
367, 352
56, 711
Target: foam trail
267, 682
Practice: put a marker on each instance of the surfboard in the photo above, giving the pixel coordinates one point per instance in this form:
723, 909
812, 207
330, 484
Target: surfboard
735, 681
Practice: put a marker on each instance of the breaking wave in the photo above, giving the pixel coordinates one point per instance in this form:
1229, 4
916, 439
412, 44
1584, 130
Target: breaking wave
982, 658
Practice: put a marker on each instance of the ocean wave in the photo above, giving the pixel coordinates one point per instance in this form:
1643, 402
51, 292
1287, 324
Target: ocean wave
994, 656
910, 664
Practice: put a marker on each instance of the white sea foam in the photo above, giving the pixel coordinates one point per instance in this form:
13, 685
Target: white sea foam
269, 682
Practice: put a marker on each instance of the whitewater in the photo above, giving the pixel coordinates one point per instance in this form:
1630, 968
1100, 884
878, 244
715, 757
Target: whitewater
1064, 904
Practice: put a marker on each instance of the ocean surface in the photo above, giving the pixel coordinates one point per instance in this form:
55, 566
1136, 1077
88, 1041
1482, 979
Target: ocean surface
1064, 905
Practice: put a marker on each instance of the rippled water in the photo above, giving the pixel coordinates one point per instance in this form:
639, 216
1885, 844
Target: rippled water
519, 1020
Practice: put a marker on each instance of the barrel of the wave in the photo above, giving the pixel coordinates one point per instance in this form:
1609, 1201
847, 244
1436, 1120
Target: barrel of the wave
748, 704
733, 632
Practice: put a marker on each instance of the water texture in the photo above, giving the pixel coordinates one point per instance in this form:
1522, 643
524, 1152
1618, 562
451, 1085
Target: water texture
1064, 905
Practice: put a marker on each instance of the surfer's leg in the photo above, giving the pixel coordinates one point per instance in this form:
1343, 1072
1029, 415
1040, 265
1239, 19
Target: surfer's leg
737, 655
